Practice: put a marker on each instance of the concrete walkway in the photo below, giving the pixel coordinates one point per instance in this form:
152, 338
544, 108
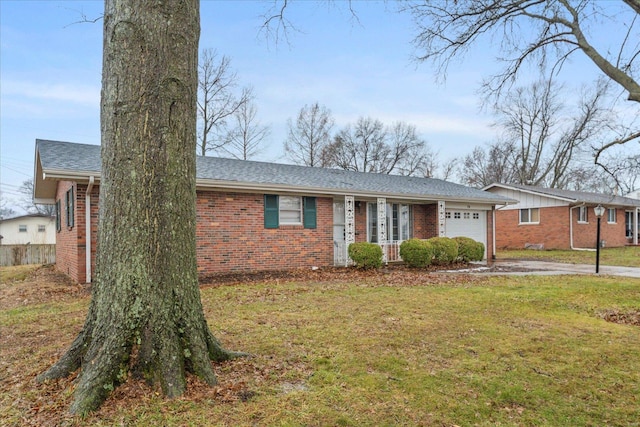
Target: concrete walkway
553, 268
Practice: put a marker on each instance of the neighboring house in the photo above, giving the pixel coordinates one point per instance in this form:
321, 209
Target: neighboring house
31, 229
267, 216
562, 219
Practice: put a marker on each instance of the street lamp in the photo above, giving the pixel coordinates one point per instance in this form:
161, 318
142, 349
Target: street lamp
599, 211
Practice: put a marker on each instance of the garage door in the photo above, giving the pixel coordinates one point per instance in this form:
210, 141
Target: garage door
468, 223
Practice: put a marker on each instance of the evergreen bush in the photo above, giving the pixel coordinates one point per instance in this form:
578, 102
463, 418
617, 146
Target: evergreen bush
445, 250
366, 255
416, 252
469, 249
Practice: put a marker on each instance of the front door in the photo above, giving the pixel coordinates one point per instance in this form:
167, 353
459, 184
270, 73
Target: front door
339, 241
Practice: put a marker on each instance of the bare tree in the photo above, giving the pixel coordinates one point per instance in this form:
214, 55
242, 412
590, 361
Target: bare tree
27, 201
145, 315
245, 137
217, 100
5, 211
369, 146
485, 166
531, 31
309, 135
543, 141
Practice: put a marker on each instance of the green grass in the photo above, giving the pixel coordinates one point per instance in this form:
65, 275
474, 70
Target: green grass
628, 256
514, 351
16, 273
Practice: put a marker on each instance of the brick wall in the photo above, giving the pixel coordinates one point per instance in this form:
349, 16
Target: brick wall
584, 235
67, 238
553, 229
231, 236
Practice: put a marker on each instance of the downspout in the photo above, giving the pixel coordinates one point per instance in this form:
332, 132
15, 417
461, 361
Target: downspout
635, 224
493, 233
87, 205
571, 230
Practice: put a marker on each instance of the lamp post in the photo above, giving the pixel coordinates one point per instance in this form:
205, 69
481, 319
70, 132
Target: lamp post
599, 211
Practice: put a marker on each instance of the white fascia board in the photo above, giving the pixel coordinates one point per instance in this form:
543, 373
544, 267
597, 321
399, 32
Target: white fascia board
536, 193
269, 188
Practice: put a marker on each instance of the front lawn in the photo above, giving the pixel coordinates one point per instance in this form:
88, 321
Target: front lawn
628, 256
393, 348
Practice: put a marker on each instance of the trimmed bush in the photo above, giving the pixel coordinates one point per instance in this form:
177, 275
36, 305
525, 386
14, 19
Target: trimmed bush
416, 252
469, 249
366, 255
445, 250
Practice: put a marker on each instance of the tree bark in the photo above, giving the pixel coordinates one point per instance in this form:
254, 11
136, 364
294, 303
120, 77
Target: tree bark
145, 314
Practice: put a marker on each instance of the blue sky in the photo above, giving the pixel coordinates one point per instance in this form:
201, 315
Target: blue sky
50, 75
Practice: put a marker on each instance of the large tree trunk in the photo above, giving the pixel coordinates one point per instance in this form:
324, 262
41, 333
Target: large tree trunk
145, 315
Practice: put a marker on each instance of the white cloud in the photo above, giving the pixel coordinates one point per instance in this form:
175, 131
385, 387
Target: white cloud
81, 94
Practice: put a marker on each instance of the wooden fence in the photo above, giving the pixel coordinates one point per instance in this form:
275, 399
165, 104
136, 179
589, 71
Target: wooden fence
27, 254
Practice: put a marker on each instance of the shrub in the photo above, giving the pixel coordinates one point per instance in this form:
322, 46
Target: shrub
366, 255
445, 250
416, 252
469, 249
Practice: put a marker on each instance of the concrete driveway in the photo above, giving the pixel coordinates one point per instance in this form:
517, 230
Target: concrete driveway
525, 267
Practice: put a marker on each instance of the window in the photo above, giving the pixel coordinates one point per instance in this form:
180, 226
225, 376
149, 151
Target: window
476, 215
456, 215
289, 210
611, 215
582, 214
628, 223
58, 219
399, 219
22, 228
447, 215
69, 207
467, 215
41, 228
530, 216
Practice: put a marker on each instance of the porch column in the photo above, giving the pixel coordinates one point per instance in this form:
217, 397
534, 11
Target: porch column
349, 226
382, 226
442, 221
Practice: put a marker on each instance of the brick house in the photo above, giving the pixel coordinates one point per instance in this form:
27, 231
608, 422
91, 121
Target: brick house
267, 216
563, 219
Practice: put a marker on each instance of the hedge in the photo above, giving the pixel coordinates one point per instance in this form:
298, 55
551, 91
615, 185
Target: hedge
445, 250
366, 255
469, 249
416, 252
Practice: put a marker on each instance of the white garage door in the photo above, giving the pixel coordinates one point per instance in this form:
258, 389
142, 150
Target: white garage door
468, 223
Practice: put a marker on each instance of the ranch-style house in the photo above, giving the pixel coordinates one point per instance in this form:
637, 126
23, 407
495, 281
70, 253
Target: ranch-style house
265, 216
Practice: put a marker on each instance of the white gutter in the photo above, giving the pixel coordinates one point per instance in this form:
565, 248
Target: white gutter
87, 205
571, 230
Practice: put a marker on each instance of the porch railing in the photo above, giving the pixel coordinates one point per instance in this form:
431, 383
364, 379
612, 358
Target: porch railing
390, 252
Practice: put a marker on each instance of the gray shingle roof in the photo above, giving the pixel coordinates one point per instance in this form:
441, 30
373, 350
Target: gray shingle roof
238, 174
576, 197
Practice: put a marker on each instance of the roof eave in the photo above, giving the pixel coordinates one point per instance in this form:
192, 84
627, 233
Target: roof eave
270, 188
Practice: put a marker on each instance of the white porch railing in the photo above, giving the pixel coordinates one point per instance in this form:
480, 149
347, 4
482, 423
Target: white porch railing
391, 249
390, 252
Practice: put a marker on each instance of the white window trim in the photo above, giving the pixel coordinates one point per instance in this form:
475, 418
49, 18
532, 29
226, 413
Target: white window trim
284, 222
528, 222
615, 216
586, 214
22, 228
